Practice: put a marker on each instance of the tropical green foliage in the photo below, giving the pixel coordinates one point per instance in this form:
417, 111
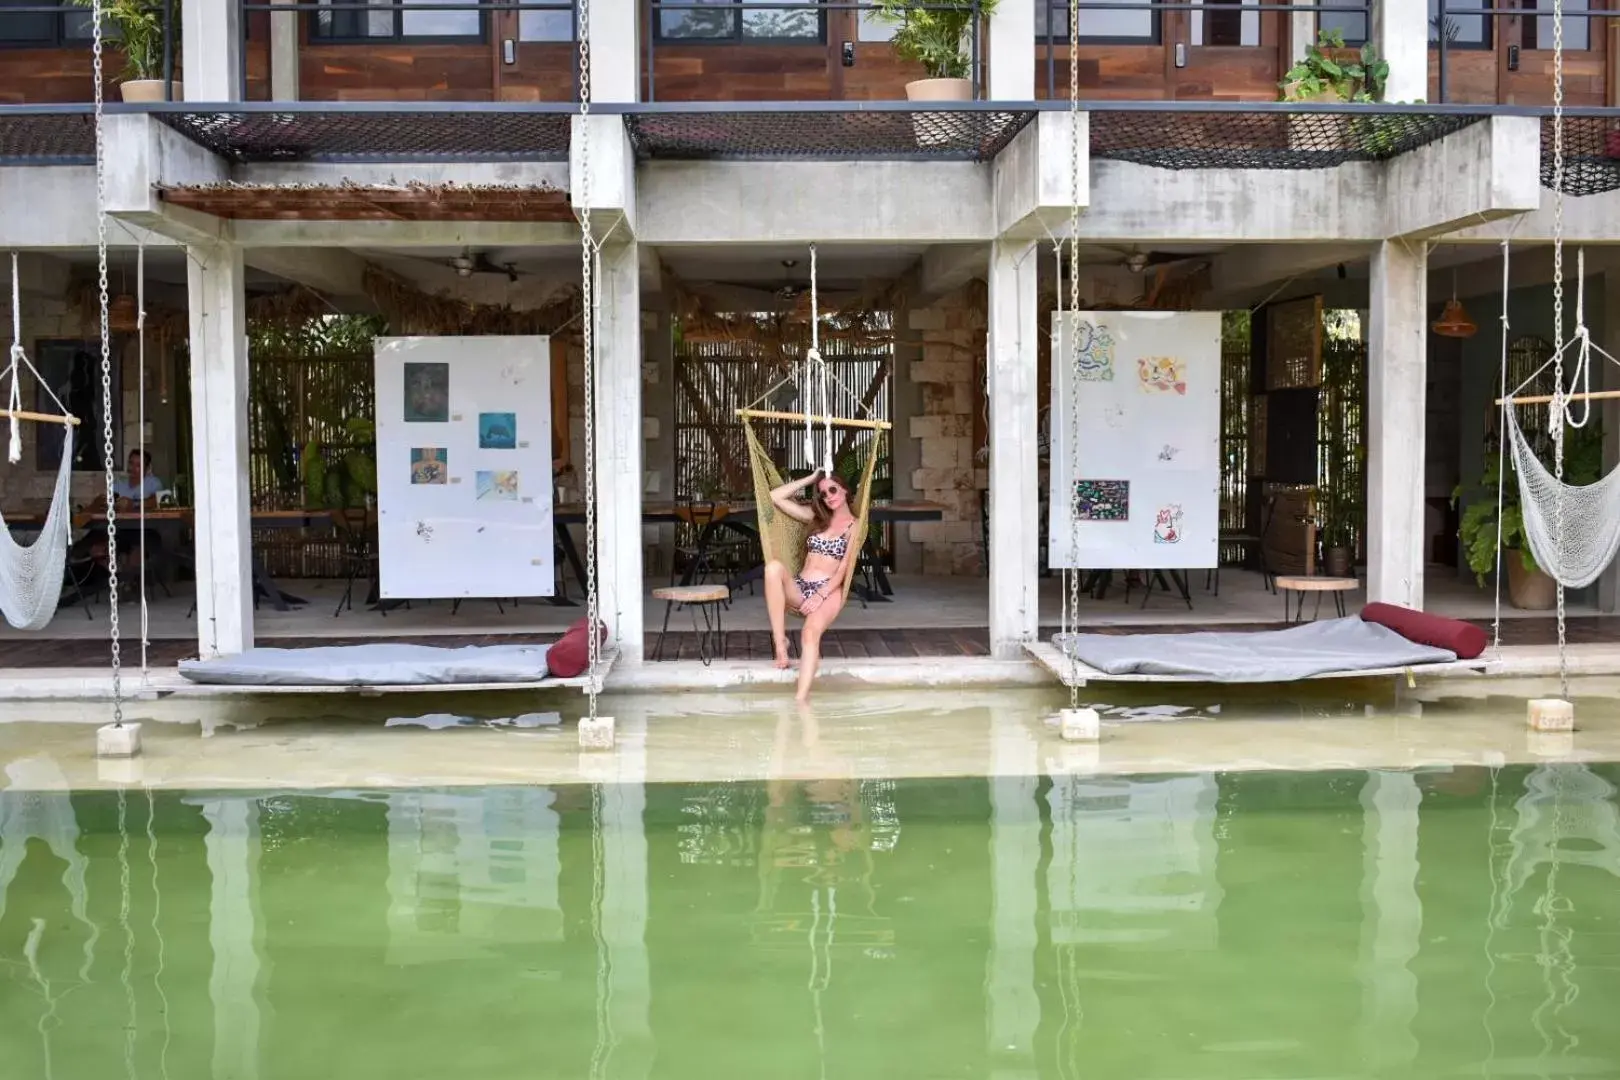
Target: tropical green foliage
344, 479
1583, 464
138, 25
937, 36
1361, 79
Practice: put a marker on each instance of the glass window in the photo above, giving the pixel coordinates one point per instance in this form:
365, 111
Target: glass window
1462, 31
547, 25
1352, 24
731, 20
873, 28
1538, 32
36, 29
1107, 26
1216, 27
441, 24
387, 24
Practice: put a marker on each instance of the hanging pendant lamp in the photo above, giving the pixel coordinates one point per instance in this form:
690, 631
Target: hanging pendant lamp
1454, 321
123, 315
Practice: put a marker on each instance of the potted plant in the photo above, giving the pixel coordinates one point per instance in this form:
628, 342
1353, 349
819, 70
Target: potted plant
938, 36
1530, 588
138, 26
1323, 75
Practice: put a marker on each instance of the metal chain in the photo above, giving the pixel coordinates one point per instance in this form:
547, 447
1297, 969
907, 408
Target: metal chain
1558, 406
587, 257
106, 361
1072, 441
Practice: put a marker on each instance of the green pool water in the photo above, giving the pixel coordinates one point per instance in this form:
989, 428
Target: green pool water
1450, 922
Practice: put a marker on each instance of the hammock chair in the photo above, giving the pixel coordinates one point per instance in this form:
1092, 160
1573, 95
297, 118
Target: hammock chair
31, 575
781, 536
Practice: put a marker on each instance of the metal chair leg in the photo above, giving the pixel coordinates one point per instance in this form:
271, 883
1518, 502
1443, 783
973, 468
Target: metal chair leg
658, 649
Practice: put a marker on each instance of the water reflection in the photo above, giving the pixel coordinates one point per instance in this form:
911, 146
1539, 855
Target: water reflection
1384, 923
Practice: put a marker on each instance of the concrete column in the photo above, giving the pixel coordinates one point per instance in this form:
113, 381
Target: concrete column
1400, 31
211, 35
284, 54
615, 50
1301, 34
659, 390
232, 847
219, 449
1392, 921
1012, 55
1608, 585
905, 396
618, 446
1013, 1002
1014, 457
1397, 361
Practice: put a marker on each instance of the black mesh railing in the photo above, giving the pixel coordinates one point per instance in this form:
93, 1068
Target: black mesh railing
353, 132
1243, 135
823, 131
1591, 153
47, 135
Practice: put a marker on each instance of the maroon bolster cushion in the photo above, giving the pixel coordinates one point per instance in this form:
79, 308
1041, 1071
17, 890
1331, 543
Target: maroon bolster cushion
570, 656
1437, 631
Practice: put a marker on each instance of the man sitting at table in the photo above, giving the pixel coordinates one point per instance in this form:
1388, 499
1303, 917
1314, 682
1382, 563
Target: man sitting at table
87, 558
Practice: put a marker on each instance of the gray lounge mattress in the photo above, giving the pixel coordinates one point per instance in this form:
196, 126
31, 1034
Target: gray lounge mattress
1334, 646
372, 665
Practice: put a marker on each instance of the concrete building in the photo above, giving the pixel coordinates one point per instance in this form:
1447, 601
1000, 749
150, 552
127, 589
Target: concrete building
316, 153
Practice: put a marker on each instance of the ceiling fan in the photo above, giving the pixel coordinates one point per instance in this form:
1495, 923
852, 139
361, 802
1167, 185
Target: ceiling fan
470, 262
1138, 261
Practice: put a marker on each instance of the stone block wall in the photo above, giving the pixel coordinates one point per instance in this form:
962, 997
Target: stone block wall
950, 374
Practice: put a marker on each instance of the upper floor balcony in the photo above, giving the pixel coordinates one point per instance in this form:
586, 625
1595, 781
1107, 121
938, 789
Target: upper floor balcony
1479, 51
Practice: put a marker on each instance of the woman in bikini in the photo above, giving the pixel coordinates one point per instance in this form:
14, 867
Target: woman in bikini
817, 592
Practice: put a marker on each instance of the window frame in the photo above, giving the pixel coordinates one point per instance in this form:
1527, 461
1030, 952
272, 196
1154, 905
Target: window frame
1488, 37
1529, 16
398, 37
1155, 38
1364, 16
60, 38
737, 36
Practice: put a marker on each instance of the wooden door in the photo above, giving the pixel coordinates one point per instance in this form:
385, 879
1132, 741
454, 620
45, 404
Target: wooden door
1223, 55
1524, 48
862, 61
533, 55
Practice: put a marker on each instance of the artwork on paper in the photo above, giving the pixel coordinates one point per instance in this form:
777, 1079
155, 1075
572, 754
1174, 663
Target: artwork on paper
1167, 525
1094, 353
427, 393
430, 465
1162, 375
1102, 500
497, 431
1169, 453
424, 532
497, 485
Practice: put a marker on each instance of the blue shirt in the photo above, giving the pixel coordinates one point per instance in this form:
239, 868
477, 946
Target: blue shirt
150, 486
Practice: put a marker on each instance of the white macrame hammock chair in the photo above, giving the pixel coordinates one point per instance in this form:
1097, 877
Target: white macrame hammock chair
31, 574
1578, 548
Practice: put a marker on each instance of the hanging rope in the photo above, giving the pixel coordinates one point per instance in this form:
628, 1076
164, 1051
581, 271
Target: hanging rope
817, 391
140, 496
1558, 325
1501, 453
106, 360
18, 359
588, 266
1071, 572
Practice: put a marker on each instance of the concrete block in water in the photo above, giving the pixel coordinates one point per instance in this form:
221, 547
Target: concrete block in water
596, 734
118, 741
1551, 714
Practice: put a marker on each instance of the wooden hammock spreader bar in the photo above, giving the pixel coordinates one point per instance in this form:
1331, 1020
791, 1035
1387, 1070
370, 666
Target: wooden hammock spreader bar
835, 421
1548, 399
43, 418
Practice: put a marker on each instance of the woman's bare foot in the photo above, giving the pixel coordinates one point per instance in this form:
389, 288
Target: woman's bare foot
782, 661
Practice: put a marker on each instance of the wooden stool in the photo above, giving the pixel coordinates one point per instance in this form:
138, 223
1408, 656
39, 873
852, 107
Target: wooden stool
708, 599
1338, 586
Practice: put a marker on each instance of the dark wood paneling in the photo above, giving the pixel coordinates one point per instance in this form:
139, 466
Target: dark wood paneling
396, 73
51, 75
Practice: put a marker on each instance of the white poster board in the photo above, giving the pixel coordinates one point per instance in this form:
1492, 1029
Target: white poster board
1144, 398
464, 467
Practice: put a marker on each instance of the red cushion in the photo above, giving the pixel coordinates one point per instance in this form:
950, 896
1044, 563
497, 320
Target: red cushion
570, 656
1437, 631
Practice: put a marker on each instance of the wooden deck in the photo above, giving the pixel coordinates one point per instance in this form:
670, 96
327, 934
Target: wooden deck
739, 645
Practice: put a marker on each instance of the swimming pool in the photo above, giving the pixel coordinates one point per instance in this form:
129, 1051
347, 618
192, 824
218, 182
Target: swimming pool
815, 916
